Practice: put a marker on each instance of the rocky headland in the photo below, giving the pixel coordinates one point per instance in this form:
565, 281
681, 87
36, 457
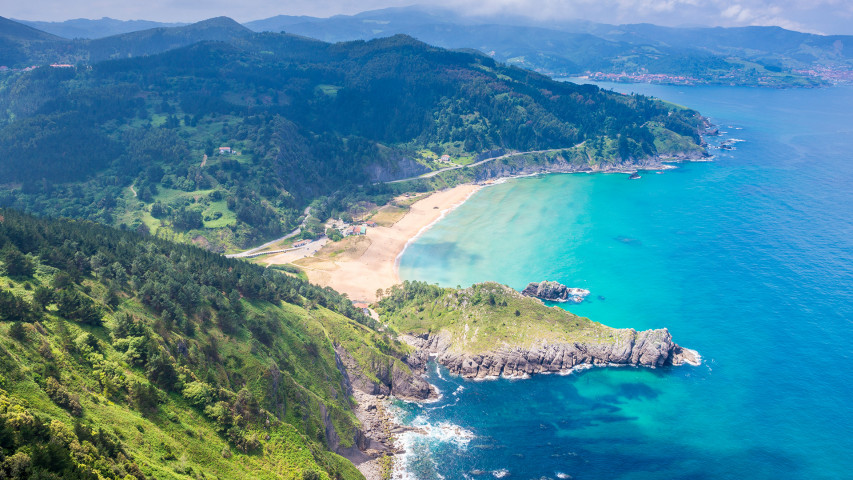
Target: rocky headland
485, 331
650, 348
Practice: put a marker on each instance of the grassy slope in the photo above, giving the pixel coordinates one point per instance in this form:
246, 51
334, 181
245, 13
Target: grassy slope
291, 376
484, 316
179, 440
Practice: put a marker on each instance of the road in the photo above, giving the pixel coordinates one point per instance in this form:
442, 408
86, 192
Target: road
253, 252
508, 155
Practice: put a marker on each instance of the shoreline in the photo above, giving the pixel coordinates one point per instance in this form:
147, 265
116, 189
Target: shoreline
360, 265
426, 228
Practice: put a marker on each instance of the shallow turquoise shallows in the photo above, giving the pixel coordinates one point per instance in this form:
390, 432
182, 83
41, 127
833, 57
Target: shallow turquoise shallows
747, 259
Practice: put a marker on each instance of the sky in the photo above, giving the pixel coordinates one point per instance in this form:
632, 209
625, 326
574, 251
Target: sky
814, 16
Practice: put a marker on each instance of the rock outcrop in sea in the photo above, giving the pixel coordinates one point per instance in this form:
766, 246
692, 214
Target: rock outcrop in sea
554, 292
649, 348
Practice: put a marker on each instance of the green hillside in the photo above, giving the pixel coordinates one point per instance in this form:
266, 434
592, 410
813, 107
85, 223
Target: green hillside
484, 316
133, 357
135, 143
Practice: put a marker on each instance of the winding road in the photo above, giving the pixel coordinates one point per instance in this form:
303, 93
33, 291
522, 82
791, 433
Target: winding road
253, 252
508, 155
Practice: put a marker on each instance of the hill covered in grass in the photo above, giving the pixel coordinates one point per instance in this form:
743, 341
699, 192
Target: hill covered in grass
490, 330
125, 356
226, 142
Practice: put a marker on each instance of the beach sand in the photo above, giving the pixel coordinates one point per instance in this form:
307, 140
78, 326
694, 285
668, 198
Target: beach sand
358, 266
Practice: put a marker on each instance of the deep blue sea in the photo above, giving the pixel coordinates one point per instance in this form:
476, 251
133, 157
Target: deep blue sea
747, 259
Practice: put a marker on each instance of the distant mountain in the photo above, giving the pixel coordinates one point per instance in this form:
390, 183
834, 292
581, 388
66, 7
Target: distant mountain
15, 31
95, 28
162, 39
28, 46
748, 56
768, 56
19, 42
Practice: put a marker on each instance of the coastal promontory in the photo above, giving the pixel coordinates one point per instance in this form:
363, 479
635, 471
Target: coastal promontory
490, 330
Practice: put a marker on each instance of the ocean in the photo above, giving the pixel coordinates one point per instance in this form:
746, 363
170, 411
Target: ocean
747, 259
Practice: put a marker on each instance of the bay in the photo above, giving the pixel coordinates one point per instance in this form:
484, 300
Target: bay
747, 259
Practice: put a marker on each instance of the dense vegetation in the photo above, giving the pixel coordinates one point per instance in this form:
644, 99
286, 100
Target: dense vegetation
136, 142
483, 316
123, 355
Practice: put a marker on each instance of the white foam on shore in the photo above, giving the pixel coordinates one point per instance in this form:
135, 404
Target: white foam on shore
438, 371
441, 432
562, 475
696, 354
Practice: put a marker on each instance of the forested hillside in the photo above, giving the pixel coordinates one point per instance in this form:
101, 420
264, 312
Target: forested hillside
124, 356
226, 143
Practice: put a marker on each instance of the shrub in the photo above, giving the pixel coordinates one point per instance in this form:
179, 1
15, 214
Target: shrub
18, 331
60, 396
199, 394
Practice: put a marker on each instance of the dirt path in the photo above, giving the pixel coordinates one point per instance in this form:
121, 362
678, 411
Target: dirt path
133, 190
204, 161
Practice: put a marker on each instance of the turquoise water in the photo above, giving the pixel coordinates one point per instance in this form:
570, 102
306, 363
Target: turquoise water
747, 259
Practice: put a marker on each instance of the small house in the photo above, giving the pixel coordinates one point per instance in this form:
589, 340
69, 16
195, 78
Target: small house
301, 243
363, 230
370, 223
445, 158
225, 150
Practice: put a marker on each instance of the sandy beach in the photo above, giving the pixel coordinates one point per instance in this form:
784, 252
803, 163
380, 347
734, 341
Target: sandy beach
358, 266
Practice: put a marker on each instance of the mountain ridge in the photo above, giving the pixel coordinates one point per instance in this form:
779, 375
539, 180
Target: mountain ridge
300, 121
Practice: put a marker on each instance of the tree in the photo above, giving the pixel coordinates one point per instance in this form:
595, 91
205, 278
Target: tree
16, 263
13, 308
42, 297
161, 371
18, 331
75, 306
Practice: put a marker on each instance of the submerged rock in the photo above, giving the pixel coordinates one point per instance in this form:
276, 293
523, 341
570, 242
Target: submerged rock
554, 292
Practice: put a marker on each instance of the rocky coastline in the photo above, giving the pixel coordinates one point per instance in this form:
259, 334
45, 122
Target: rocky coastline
375, 445
649, 348
559, 164
554, 292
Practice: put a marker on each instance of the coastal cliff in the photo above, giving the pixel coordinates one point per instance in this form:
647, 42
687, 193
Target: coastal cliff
485, 331
490, 330
650, 348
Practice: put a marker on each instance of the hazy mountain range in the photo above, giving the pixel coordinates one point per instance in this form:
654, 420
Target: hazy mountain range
642, 52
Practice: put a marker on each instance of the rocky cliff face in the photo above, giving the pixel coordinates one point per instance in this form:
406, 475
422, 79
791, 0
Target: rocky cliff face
555, 292
391, 378
651, 348
539, 164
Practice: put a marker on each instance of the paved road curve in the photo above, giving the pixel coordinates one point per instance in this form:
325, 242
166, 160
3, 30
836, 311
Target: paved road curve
252, 252
508, 155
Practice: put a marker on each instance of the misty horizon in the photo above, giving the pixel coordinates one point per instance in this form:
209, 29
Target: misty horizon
820, 17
